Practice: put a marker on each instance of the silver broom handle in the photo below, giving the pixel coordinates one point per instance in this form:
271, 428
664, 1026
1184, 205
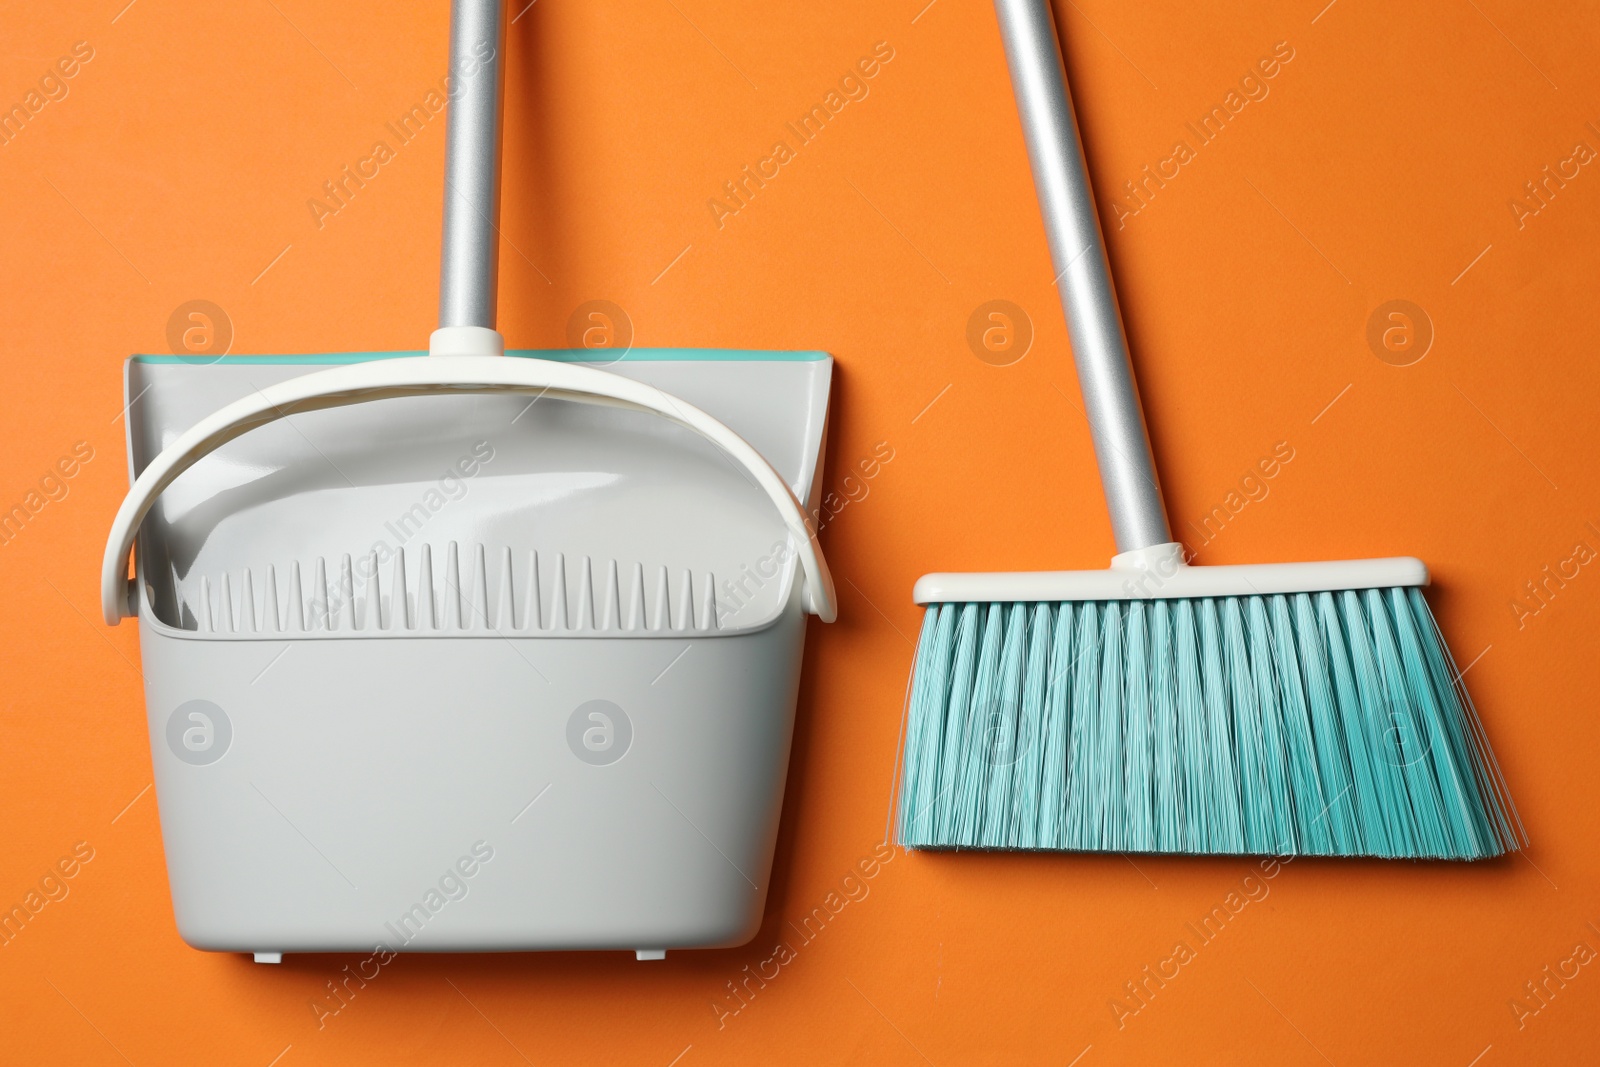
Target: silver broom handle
470, 260
1083, 277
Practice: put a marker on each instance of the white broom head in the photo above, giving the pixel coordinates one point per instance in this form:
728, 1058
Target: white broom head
1283, 709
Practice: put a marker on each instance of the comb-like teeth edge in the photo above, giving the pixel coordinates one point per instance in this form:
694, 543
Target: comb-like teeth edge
360, 599
321, 608
480, 590
558, 598
454, 617
506, 600
661, 618
588, 618
611, 600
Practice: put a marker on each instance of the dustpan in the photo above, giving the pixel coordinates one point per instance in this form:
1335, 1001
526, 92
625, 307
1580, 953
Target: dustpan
468, 651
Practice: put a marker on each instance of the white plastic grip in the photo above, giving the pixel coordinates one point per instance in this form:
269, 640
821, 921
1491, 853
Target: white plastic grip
466, 341
359, 383
1160, 573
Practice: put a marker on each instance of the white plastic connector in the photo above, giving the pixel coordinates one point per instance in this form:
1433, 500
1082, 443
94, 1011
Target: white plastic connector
269, 957
650, 954
466, 341
1159, 573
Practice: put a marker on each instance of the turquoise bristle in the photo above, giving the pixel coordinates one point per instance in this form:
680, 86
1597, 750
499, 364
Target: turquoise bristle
1087, 783
1167, 813
1027, 754
1317, 771
1138, 766
1050, 825
1308, 723
924, 722
1304, 657
1220, 773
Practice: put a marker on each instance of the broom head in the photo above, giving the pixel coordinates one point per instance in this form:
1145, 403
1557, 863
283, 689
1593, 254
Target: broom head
1278, 709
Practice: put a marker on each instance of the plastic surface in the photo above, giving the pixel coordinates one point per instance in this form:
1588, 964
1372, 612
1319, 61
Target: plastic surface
466, 341
1159, 573
396, 766
367, 382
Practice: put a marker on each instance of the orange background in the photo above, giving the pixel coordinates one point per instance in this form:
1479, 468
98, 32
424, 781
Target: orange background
1381, 166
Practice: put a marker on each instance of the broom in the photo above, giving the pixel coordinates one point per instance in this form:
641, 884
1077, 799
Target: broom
1290, 708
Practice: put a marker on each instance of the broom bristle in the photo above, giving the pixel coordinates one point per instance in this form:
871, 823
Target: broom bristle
1329, 723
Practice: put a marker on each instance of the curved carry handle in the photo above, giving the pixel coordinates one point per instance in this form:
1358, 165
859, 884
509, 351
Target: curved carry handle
421, 375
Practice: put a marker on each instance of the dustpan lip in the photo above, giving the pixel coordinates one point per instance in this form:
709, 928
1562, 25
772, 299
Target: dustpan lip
559, 355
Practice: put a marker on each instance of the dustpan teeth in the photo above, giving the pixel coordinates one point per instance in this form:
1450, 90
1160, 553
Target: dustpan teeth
636, 612
685, 607
399, 616
708, 604
481, 619
539, 595
585, 597
661, 618
177, 590
455, 613
611, 602
427, 617
1299, 723
346, 617
272, 620
559, 619
208, 622
321, 609
506, 599
297, 603
532, 617
246, 605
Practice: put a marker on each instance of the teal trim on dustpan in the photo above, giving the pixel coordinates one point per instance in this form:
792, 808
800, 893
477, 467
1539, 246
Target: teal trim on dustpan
560, 355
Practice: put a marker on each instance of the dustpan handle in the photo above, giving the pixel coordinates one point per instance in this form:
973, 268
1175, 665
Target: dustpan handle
469, 260
418, 376
1083, 275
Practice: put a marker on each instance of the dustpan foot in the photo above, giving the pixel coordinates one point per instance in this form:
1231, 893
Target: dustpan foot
650, 954
269, 957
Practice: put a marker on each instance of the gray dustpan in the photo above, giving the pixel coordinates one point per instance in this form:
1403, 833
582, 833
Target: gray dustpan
471, 651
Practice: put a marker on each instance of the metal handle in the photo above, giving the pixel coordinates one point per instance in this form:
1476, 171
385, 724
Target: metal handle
470, 261
1083, 277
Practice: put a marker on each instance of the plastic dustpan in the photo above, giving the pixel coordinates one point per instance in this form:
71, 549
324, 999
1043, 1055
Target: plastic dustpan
469, 651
